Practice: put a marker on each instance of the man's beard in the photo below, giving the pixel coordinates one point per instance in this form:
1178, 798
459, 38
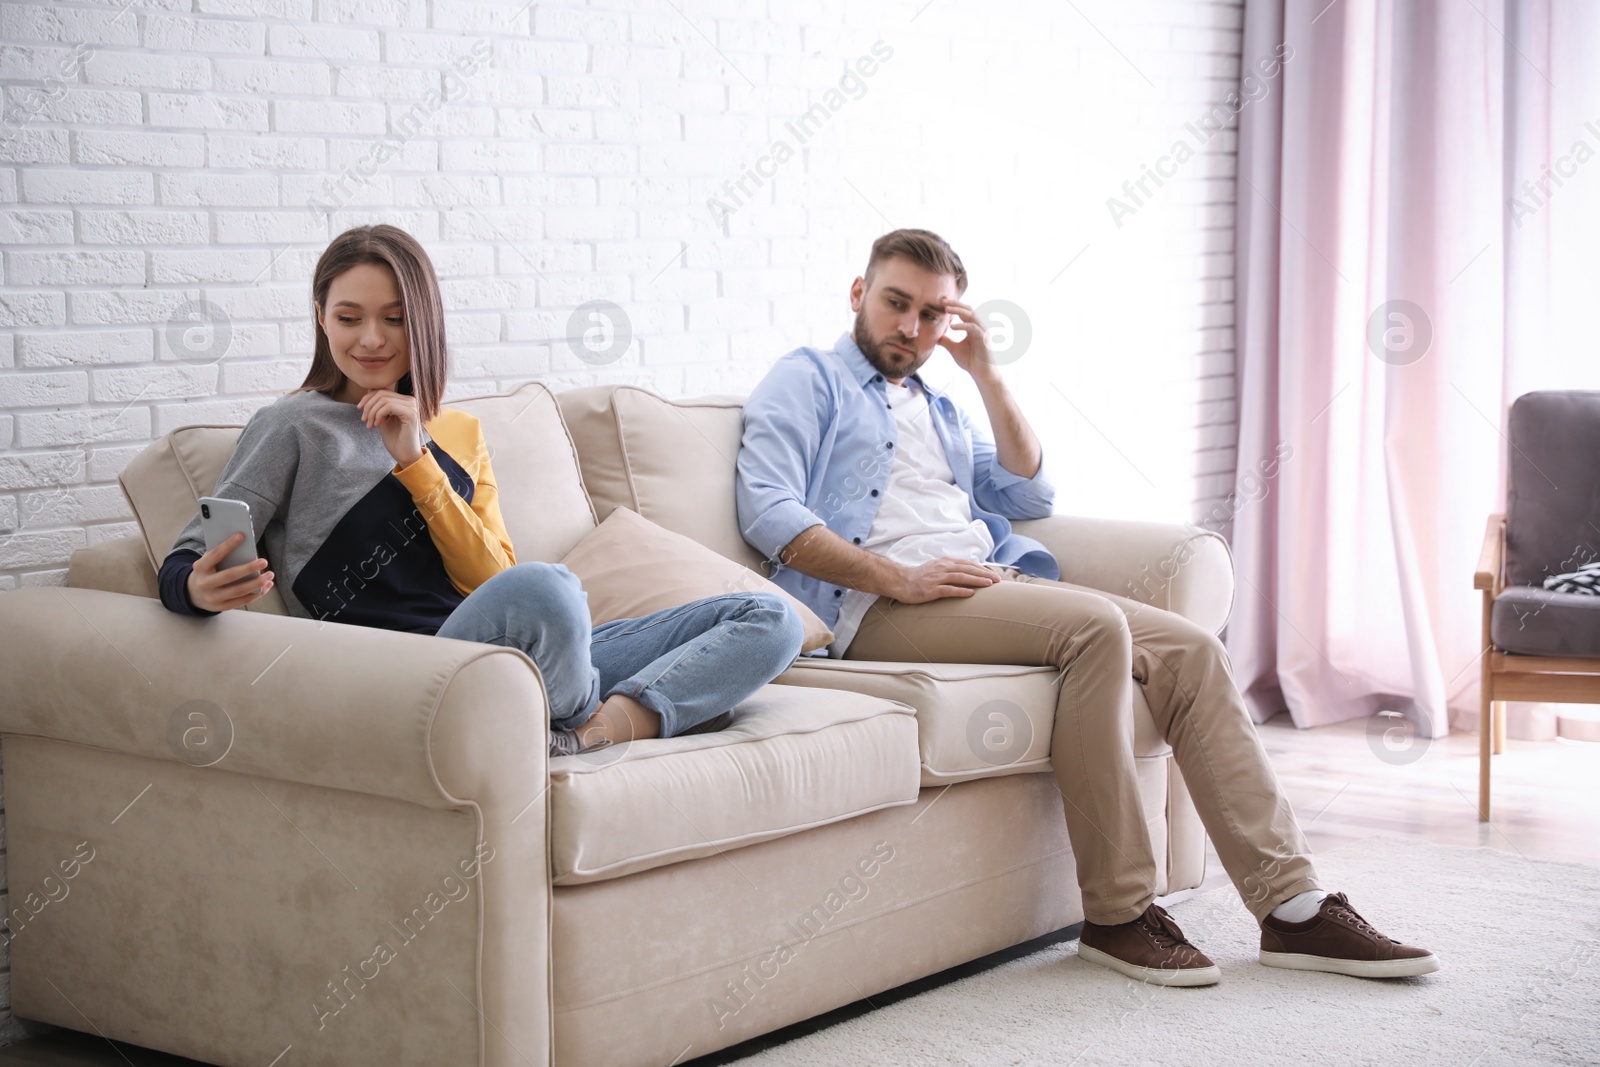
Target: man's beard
874, 352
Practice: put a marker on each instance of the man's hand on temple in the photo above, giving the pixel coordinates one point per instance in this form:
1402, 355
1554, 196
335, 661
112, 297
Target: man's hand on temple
1016, 445
971, 353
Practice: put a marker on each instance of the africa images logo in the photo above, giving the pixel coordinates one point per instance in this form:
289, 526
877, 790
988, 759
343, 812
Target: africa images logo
852, 86
1221, 117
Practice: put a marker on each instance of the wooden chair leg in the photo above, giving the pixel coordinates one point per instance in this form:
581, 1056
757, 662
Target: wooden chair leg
1485, 705
1500, 716
1485, 741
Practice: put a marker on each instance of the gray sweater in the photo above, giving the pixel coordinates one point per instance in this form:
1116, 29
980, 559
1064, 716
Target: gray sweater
350, 536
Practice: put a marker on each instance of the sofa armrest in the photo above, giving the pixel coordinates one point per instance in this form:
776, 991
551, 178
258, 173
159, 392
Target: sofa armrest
1492, 558
123, 566
401, 755
1179, 568
118, 566
348, 707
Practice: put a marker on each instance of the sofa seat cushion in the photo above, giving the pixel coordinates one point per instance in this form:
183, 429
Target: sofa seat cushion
1539, 622
793, 759
973, 720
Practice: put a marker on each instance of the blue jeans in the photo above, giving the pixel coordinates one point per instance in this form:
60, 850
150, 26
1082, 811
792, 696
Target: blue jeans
687, 664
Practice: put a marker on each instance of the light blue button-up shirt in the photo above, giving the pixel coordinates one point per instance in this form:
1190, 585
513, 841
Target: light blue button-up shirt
819, 440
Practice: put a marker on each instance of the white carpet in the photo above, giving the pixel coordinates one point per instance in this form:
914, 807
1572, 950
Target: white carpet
1518, 942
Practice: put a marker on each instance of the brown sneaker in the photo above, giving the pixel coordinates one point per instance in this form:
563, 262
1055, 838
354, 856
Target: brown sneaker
1150, 949
1338, 940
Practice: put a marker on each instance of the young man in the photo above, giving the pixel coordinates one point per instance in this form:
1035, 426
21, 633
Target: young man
888, 511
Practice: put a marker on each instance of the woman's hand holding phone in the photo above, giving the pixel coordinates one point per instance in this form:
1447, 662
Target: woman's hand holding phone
213, 590
395, 417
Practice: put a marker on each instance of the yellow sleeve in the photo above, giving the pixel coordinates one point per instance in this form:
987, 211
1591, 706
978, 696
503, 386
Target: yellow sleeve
472, 537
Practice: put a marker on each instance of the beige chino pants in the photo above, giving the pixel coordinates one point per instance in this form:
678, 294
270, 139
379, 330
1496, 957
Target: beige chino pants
1105, 645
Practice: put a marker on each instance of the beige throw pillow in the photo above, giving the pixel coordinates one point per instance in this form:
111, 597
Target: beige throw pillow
629, 566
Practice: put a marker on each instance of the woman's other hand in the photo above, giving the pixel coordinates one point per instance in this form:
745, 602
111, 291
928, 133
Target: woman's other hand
395, 417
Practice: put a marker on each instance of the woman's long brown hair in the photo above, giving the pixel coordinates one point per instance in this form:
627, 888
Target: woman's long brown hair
392, 247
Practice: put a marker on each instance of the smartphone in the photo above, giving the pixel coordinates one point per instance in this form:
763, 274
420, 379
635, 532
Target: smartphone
220, 519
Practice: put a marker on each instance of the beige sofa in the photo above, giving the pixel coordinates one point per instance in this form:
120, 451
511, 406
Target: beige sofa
339, 845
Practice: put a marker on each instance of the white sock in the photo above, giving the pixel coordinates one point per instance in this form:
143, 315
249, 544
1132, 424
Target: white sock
1300, 907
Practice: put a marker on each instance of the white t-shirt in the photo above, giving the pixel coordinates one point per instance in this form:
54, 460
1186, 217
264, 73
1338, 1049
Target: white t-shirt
924, 516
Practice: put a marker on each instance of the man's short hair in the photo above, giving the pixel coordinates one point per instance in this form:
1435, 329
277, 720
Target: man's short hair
924, 248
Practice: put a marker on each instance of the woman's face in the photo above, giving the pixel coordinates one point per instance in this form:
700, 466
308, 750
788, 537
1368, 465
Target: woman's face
366, 327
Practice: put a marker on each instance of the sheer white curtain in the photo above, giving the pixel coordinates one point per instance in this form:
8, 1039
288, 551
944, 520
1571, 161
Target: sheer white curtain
1398, 284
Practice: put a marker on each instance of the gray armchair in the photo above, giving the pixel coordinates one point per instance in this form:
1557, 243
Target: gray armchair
1540, 644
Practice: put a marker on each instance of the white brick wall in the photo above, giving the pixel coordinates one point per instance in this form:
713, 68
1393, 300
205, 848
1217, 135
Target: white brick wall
159, 152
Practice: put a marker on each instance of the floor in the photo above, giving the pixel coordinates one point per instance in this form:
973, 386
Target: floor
1344, 784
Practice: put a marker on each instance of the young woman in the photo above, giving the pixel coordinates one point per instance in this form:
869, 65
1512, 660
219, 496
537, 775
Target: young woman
378, 507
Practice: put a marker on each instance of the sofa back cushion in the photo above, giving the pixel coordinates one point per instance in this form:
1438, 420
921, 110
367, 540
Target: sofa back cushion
671, 461
165, 482
542, 497
1552, 485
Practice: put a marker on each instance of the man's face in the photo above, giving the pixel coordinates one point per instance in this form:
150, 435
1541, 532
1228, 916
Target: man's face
900, 316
